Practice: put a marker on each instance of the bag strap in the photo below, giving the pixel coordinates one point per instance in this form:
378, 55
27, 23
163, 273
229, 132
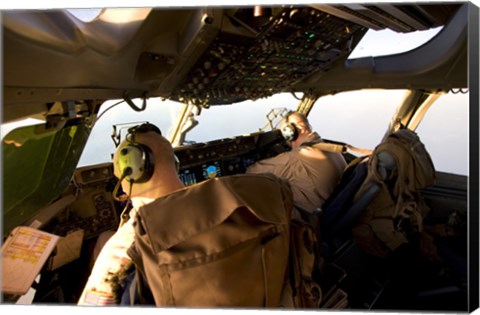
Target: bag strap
133, 290
337, 147
304, 254
139, 291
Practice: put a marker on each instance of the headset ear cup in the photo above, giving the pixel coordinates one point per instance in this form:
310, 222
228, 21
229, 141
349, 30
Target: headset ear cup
135, 162
290, 132
148, 165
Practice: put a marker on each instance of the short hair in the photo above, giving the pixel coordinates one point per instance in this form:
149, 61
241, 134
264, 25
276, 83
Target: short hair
139, 129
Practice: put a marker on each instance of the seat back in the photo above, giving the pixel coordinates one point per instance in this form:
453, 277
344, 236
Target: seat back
337, 205
390, 178
342, 209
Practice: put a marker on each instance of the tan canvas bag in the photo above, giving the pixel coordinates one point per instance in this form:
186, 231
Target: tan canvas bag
220, 243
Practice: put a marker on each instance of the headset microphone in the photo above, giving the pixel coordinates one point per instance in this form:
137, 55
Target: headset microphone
117, 186
124, 216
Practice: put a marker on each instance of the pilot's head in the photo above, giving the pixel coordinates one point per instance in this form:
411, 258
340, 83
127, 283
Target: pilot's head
145, 163
295, 127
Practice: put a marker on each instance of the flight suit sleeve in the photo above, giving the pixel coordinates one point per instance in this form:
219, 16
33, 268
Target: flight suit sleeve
112, 258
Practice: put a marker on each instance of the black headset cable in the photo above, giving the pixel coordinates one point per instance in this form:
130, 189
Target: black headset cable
124, 216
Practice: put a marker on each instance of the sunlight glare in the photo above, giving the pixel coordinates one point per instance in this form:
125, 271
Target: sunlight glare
124, 15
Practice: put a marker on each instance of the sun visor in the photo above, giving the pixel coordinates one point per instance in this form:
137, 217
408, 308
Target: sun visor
38, 165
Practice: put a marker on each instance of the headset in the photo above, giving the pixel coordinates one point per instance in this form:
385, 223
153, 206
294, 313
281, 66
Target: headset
289, 130
135, 164
135, 160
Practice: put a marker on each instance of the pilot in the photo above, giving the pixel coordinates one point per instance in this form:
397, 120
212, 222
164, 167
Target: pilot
103, 280
312, 173
160, 197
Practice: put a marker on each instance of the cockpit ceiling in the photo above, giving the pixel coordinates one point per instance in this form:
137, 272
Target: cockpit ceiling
396, 17
202, 55
291, 45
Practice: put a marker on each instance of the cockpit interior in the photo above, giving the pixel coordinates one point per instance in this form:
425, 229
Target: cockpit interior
60, 71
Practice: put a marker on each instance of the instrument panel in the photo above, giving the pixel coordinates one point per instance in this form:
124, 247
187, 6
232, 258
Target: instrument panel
203, 161
94, 210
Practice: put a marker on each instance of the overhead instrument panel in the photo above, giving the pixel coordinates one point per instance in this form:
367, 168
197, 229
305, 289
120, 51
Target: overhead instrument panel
287, 46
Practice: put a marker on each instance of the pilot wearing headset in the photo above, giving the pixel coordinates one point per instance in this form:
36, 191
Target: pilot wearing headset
146, 167
312, 172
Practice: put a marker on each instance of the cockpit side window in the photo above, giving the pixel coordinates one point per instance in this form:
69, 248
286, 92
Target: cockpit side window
445, 132
100, 146
359, 118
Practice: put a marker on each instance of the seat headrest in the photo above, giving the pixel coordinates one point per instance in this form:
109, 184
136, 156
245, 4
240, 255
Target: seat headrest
386, 165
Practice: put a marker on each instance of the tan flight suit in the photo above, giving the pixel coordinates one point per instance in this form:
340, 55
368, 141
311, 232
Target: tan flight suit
312, 173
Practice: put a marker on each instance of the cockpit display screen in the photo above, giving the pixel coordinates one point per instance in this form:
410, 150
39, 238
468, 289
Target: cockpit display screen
188, 177
211, 170
200, 173
226, 157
